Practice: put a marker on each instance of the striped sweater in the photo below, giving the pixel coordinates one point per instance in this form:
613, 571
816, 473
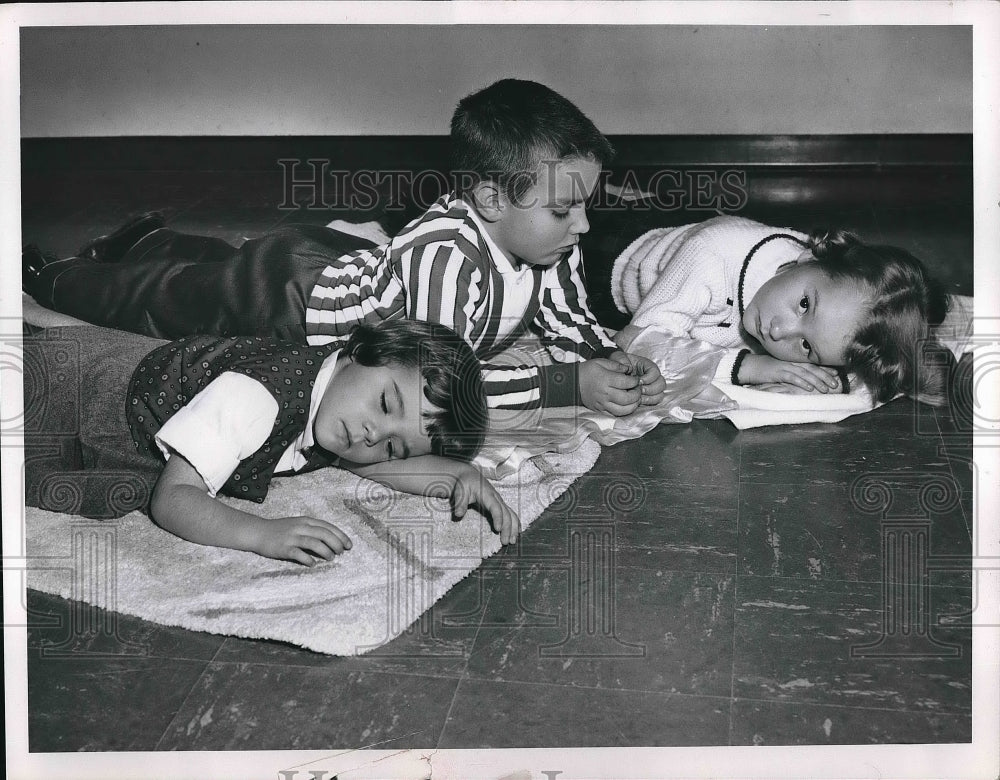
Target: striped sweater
441, 268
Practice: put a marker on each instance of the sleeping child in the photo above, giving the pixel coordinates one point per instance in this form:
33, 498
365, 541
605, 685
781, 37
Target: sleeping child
104, 409
791, 308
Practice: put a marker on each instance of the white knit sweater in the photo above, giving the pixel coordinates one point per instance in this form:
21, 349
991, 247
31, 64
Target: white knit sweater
685, 280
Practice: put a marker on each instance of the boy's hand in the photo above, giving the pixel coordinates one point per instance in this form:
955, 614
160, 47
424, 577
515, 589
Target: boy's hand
606, 386
764, 369
300, 539
653, 384
471, 488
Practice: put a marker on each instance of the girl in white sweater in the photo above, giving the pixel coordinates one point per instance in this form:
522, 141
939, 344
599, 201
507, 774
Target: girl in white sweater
792, 308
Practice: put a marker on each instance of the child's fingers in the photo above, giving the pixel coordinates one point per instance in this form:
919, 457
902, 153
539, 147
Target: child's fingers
511, 527
826, 375
810, 377
459, 500
322, 543
654, 386
512, 524
813, 384
332, 536
627, 397
502, 516
651, 400
624, 382
329, 534
616, 365
298, 555
620, 410
319, 548
621, 359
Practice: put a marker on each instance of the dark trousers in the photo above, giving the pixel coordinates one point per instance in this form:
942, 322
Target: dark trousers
173, 284
78, 450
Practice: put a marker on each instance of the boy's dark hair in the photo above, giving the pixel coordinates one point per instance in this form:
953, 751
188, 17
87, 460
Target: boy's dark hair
503, 132
451, 372
888, 352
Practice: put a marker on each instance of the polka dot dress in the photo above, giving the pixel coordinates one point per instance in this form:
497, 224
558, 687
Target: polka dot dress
171, 375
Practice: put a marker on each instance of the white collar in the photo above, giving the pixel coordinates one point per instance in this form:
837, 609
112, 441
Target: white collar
500, 260
305, 440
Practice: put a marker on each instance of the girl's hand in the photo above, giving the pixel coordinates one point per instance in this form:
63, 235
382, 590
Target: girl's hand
653, 384
471, 488
299, 539
807, 377
461, 483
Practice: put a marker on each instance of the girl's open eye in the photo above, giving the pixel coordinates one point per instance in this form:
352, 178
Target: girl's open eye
804, 303
806, 346
389, 449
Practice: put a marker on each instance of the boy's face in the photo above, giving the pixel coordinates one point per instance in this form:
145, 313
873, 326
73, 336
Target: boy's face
546, 224
373, 414
803, 316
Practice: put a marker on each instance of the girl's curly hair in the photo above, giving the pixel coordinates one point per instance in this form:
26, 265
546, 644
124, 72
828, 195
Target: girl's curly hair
889, 352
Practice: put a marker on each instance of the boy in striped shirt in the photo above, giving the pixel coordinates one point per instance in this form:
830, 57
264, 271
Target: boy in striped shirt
495, 260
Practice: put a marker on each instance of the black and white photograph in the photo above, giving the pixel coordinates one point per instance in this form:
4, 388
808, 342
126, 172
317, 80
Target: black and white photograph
500, 390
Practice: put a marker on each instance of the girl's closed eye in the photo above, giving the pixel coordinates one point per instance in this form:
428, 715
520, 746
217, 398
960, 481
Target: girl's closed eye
384, 404
560, 213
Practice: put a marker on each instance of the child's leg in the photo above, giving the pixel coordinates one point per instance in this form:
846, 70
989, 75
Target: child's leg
171, 284
79, 455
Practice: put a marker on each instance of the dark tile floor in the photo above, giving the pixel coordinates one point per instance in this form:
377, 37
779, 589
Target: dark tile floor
737, 600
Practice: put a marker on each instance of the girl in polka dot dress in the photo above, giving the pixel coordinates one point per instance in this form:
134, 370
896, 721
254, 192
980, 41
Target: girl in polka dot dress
116, 422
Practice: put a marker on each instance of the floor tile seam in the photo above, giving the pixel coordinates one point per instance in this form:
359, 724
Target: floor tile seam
896, 710
757, 480
180, 707
447, 714
675, 570
120, 657
943, 451
465, 669
555, 556
732, 665
902, 474
831, 580
352, 669
472, 678
736, 591
187, 697
675, 482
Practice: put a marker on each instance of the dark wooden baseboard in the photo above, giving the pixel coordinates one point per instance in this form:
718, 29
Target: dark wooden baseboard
261, 153
905, 170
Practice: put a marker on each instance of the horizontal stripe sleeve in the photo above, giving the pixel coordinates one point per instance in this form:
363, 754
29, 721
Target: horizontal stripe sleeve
512, 387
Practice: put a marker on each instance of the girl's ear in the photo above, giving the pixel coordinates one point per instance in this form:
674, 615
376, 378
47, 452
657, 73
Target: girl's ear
488, 200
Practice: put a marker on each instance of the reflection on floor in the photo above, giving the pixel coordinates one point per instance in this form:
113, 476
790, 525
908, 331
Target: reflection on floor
744, 599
